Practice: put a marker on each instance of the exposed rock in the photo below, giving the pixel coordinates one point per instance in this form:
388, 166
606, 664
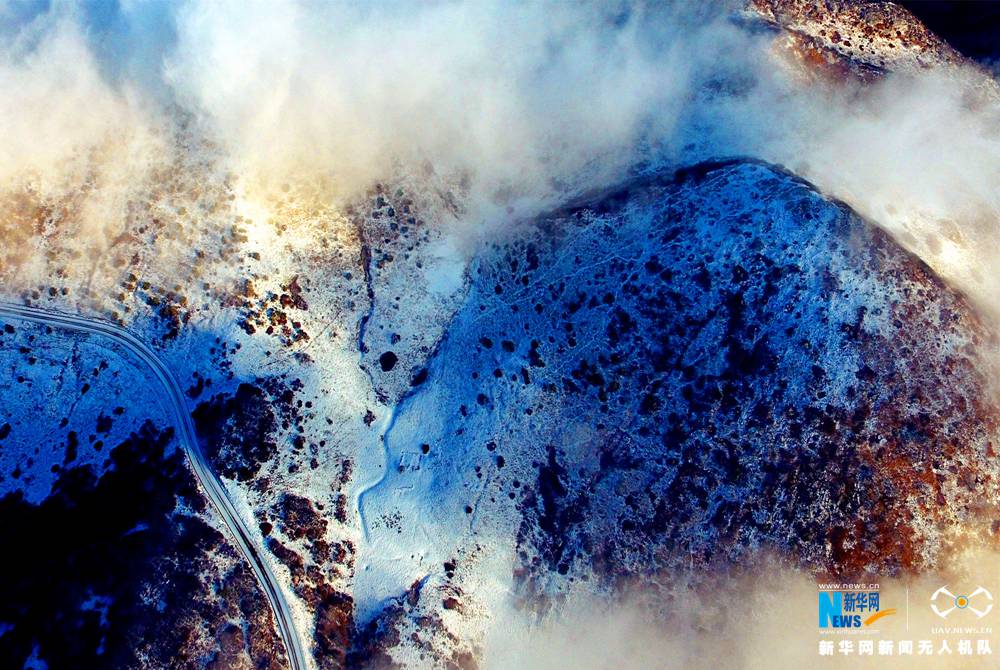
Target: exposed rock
721, 363
109, 573
874, 34
842, 41
313, 572
299, 518
238, 432
759, 366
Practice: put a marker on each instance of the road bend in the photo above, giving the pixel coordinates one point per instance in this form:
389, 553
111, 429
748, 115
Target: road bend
210, 483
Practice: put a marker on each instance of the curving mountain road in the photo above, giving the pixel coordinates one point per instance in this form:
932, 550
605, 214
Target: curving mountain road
211, 485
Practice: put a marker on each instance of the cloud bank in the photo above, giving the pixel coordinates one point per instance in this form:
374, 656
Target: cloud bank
507, 100
515, 107
764, 617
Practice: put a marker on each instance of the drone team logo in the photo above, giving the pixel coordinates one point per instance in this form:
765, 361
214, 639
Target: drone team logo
979, 602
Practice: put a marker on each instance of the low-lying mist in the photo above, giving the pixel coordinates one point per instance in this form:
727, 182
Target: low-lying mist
761, 617
515, 107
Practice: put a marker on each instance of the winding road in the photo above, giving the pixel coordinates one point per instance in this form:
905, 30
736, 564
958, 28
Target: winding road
209, 482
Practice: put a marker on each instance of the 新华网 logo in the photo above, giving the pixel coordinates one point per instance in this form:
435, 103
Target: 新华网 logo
850, 608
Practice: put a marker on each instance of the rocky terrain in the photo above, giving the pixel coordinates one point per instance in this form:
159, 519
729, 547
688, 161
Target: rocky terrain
119, 564
709, 364
689, 370
879, 36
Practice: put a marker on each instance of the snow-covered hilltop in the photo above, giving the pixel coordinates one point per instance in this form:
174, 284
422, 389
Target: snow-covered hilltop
693, 369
